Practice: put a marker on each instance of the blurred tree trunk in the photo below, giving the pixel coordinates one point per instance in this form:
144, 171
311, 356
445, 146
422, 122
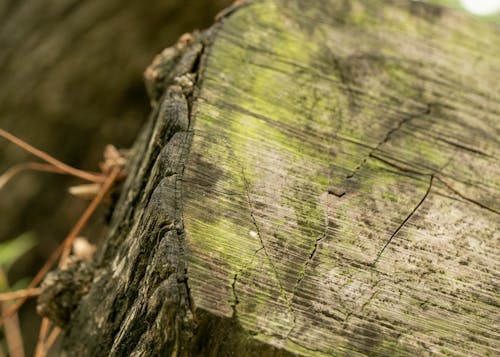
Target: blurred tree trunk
328, 186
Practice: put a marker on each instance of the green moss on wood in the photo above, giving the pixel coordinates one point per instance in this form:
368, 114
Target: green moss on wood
333, 188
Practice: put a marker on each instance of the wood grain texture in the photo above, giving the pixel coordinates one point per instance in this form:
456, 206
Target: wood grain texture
342, 189
328, 187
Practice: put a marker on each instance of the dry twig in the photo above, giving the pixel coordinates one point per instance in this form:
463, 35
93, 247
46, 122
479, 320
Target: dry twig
93, 177
11, 295
14, 170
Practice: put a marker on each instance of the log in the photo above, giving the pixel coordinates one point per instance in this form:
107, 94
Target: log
315, 179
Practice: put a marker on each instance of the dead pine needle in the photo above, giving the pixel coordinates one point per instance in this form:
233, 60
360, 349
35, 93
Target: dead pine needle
87, 213
12, 329
52, 338
40, 349
93, 177
13, 335
36, 280
25, 293
43, 344
35, 166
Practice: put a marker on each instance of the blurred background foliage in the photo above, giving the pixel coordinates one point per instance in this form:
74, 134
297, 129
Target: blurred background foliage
13, 249
71, 76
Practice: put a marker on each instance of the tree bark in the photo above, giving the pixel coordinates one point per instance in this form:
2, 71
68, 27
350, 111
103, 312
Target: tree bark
316, 179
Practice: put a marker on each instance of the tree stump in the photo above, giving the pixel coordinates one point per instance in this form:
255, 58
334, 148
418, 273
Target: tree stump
316, 179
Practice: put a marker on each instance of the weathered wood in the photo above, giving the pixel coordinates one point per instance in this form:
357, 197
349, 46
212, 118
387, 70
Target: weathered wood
335, 192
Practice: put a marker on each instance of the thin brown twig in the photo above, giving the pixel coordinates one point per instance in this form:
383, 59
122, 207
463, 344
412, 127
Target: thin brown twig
13, 334
12, 330
66, 245
36, 280
52, 338
11, 295
93, 177
14, 170
40, 350
86, 215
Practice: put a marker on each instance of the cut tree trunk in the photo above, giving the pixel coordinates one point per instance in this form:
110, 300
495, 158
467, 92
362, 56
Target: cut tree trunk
317, 178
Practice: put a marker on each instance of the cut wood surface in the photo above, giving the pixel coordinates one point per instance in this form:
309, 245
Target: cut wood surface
329, 187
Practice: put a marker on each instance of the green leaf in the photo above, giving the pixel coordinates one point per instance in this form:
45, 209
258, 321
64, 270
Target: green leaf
12, 249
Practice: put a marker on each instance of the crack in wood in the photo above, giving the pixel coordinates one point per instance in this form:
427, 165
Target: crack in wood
468, 199
367, 302
306, 264
302, 275
387, 137
236, 301
235, 278
437, 176
399, 167
432, 176
464, 147
259, 234
255, 224
190, 301
352, 311
405, 220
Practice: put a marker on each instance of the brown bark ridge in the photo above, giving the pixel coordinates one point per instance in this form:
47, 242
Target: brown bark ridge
315, 179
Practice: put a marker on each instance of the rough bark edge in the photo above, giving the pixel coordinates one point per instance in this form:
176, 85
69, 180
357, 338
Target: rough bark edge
152, 179
180, 328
